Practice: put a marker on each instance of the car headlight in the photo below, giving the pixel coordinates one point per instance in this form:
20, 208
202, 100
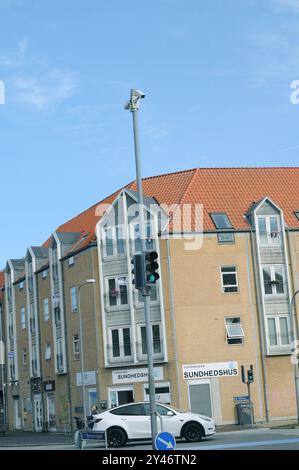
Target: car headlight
205, 418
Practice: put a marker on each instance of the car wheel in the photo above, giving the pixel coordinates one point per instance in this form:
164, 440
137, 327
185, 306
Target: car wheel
116, 437
193, 432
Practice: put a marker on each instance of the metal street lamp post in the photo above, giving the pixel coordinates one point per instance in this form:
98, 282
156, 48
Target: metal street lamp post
133, 106
294, 338
88, 281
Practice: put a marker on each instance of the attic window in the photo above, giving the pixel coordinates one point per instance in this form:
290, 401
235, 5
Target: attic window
221, 220
296, 214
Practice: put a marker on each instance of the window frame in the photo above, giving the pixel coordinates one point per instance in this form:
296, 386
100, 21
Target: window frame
71, 261
48, 347
74, 295
141, 354
273, 282
223, 286
45, 273
46, 311
134, 241
23, 317
121, 344
226, 242
59, 355
24, 356
118, 305
232, 338
115, 241
279, 345
268, 233
76, 341
212, 214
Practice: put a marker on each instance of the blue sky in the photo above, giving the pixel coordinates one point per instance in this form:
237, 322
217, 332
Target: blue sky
217, 77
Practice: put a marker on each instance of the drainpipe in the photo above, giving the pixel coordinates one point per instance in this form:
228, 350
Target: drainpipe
260, 324
293, 283
66, 348
96, 328
173, 322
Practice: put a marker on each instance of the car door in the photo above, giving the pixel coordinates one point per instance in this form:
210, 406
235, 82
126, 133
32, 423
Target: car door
132, 418
168, 422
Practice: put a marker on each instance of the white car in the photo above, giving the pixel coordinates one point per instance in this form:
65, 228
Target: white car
132, 421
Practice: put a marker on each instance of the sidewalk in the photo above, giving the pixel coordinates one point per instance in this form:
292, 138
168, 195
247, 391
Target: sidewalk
27, 438
271, 424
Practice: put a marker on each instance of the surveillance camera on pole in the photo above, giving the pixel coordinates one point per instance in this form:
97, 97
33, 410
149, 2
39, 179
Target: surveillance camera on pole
139, 262
133, 103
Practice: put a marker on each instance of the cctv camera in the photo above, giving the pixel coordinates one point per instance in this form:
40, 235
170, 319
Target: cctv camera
138, 93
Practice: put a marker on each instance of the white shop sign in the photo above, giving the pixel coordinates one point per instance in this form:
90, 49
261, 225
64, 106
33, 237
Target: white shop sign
210, 370
89, 378
135, 375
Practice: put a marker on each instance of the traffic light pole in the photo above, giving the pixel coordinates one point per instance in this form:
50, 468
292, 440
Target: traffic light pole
133, 107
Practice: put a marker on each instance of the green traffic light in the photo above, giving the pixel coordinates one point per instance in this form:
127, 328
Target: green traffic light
151, 278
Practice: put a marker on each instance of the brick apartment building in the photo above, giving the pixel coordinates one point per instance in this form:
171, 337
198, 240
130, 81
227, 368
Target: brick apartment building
222, 301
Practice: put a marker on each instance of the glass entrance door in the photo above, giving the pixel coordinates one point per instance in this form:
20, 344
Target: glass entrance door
38, 413
51, 412
120, 396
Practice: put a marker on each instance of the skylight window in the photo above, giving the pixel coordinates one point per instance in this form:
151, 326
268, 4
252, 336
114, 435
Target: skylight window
221, 220
297, 214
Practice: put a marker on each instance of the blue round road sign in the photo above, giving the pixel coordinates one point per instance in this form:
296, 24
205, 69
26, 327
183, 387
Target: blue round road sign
165, 441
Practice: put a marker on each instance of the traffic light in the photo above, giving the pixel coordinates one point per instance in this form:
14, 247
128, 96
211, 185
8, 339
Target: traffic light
250, 377
151, 266
138, 271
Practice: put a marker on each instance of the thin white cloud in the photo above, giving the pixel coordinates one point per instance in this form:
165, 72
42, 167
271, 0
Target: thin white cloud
41, 93
15, 57
23, 45
292, 5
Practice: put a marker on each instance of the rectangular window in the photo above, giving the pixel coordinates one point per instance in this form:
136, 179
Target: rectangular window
135, 236
117, 291
156, 336
32, 319
34, 360
45, 274
24, 357
229, 279
23, 317
273, 277
21, 285
226, 237
278, 331
71, 261
73, 292
76, 347
221, 220
121, 343
59, 355
296, 214
46, 309
30, 277
114, 241
234, 330
48, 352
115, 343
269, 230
55, 264
57, 316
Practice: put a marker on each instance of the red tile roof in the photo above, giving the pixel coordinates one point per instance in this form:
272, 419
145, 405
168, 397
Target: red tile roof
229, 190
